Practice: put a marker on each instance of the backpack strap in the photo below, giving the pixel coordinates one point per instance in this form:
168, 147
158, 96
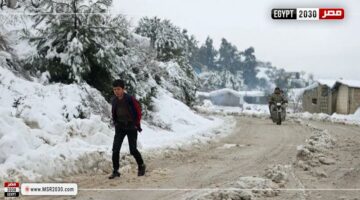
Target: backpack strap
137, 109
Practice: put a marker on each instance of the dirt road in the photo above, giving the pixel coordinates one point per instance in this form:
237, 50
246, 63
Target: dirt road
253, 146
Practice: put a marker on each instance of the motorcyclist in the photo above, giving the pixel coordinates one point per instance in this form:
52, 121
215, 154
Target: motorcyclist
277, 96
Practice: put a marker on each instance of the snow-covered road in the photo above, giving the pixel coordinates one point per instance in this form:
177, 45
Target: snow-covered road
258, 154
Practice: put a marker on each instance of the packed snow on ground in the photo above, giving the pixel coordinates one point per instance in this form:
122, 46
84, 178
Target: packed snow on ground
229, 146
278, 173
246, 188
56, 129
316, 151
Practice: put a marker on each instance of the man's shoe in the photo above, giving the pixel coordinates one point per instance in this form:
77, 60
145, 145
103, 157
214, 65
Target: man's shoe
114, 175
141, 170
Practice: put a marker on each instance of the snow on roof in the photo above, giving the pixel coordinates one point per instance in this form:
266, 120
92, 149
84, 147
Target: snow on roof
202, 94
333, 83
312, 86
350, 83
328, 82
224, 91
235, 93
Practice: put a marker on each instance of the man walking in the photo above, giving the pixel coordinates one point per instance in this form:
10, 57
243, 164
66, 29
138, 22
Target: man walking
126, 115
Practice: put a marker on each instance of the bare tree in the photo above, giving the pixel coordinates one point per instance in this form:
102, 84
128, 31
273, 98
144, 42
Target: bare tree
295, 101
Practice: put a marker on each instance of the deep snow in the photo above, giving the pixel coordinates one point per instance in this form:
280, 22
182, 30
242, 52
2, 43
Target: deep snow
43, 134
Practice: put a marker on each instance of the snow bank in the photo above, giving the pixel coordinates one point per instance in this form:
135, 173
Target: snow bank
316, 152
57, 130
179, 124
353, 119
278, 173
42, 124
259, 186
248, 187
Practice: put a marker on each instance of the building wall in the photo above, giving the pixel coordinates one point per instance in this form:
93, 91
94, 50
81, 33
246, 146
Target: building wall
225, 99
342, 102
256, 99
318, 100
354, 99
334, 100
326, 100
308, 104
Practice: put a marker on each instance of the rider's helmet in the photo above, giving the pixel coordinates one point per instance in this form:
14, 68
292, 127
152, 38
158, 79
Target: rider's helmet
277, 90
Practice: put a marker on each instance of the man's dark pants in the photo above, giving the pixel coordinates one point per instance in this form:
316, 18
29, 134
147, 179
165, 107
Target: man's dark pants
120, 132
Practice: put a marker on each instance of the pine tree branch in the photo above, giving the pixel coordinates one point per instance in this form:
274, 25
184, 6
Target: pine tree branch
61, 3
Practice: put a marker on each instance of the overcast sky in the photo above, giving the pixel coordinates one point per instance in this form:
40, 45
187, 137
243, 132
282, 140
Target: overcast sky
328, 49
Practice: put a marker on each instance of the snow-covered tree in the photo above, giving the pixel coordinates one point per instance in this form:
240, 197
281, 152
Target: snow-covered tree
229, 57
192, 51
77, 40
168, 40
5, 56
207, 54
171, 47
3, 44
213, 80
8, 3
249, 68
139, 70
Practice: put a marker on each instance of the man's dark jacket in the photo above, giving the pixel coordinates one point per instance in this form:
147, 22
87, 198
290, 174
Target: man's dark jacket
132, 109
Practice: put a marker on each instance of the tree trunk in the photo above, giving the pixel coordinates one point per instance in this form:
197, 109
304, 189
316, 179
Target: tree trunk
11, 3
74, 9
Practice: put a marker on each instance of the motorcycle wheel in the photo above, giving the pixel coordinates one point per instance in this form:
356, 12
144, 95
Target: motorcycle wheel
279, 118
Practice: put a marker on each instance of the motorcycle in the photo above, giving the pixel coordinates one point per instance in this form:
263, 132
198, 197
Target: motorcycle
278, 112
